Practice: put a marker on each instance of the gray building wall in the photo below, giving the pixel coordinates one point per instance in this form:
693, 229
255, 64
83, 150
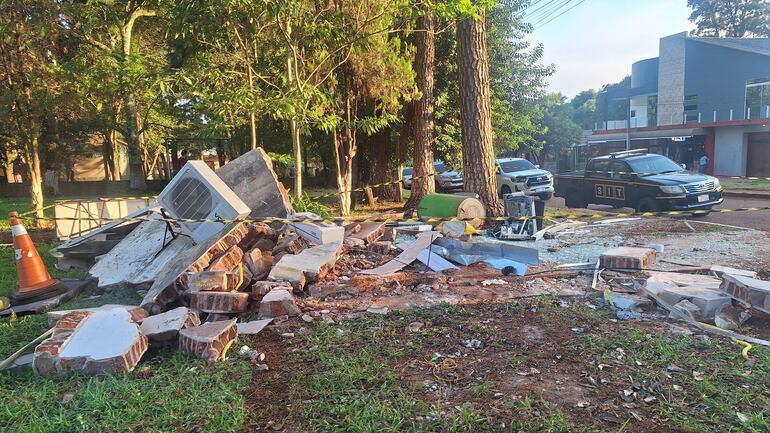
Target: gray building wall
730, 151
644, 77
671, 79
718, 76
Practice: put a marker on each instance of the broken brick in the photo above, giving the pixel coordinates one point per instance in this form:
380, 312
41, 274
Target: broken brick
207, 281
277, 303
209, 340
258, 264
369, 232
227, 261
627, 258
262, 288
220, 302
166, 326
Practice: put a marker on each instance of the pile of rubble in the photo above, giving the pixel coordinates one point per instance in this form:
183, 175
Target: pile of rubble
712, 295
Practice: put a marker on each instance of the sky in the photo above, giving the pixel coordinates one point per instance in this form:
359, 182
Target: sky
596, 42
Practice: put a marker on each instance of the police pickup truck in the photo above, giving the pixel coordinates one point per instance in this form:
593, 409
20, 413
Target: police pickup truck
644, 181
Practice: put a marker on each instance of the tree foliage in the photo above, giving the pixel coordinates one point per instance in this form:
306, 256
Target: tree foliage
731, 18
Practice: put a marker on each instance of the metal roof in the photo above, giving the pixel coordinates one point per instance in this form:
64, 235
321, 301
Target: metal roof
752, 45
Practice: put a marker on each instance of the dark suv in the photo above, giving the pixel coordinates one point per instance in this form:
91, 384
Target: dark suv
645, 181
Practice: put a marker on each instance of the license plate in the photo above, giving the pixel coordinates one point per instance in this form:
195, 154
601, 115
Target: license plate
703, 198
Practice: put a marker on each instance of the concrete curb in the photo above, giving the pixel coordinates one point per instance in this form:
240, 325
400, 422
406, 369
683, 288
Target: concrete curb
764, 195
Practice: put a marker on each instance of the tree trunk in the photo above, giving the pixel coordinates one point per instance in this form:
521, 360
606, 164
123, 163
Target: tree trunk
35, 176
344, 151
423, 173
252, 114
136, 173
297, 151
476, 112
383, 165
108, 154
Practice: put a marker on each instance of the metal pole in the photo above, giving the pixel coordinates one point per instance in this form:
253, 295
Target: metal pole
628, 126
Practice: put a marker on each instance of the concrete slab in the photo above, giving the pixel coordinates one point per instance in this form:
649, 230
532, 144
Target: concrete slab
407, 256
659, 281
133, 261
311, 264
627, 258
166, 326
106, 341
720, 270
252, 178
209, 340
750, 291
708, 300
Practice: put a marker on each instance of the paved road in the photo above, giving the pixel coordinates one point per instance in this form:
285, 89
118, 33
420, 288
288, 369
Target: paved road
759, 220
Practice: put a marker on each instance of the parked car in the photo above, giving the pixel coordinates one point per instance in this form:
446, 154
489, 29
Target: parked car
406, 177
447, 179
520, 175
644, 181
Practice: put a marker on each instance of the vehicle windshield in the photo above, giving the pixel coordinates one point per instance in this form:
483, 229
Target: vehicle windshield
516, 165
440, 167
408, 171
653, 164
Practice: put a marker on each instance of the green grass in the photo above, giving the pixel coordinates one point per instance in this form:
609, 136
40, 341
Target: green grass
762, 184
8, 278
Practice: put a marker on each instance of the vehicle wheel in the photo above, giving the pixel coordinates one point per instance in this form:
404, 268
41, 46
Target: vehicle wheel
505, 190
546, 196
574, 200
647, 204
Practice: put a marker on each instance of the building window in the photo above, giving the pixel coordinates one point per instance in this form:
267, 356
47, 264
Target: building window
757, 98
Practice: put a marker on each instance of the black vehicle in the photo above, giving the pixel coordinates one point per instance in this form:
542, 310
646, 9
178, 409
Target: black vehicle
644, 181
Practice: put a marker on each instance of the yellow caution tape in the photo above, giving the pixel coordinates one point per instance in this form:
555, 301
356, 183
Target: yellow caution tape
347, 219
746, 348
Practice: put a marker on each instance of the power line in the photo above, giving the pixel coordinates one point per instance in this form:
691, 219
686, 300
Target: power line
557, 16
552, 12
538, 10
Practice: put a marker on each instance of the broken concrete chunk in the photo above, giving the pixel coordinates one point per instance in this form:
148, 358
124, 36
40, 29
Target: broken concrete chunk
93, 342
730, 317
708, 300
228, 261
166, 326
317, 233
627, 258
369, 232
688, 309
752, 292
254, 327
720, 270
207, 281
353, 242
626, 301
380, 247
291, 244
258, 264
137, 313
278, 303
209, 340
220, 302
216, 317
313, 263
262, 288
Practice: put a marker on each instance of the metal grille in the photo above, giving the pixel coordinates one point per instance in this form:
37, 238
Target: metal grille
537, 180
191, 199
696, 188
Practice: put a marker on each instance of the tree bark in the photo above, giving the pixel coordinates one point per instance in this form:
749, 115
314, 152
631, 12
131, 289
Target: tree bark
252, 114
423, 173
383, 165
476, 112
136, 173
108, 155
35, 176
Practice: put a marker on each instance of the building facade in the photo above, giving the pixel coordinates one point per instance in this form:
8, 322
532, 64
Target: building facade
699, 96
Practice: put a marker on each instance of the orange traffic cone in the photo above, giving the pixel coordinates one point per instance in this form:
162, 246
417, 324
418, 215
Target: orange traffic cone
35, 283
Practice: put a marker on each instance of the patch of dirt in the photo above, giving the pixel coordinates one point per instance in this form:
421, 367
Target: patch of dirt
527, 355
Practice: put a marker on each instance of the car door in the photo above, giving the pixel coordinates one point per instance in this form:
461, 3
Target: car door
599, 174
617, 190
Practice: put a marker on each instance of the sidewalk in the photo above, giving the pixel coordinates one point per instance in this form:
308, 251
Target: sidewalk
748, 193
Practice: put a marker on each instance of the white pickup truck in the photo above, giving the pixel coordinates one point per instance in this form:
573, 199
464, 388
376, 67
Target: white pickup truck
517, 174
